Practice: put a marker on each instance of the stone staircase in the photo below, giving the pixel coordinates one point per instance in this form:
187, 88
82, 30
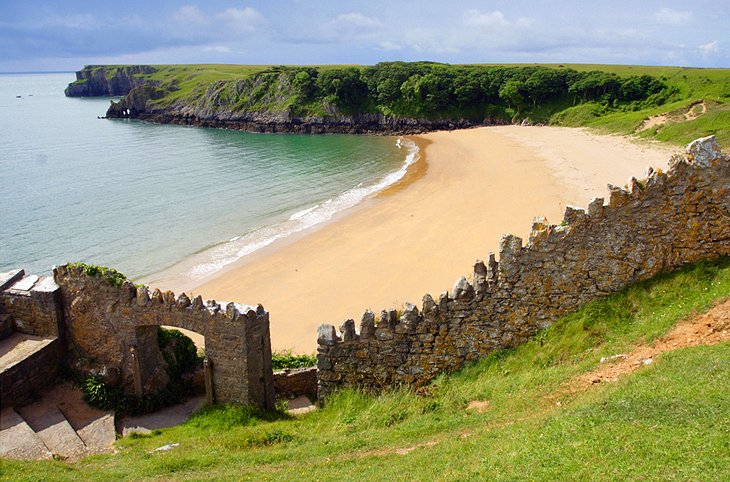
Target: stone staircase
59, 425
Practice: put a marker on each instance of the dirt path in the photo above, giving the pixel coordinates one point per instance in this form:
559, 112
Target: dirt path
709, 328
694, 110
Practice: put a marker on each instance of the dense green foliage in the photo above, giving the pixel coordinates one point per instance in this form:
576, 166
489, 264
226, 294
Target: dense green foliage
113, 277
433, 90
98, 394
283, 360
528, 430
179, 352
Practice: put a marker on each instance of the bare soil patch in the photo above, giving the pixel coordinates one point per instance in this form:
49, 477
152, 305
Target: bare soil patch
709, 328
693, 111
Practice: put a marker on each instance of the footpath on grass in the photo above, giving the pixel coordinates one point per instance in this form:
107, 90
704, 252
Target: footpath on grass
709, 328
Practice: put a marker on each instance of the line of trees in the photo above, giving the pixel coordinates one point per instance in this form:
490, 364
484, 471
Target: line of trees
433, 89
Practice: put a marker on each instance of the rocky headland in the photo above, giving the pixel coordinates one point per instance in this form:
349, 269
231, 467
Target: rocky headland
97, 80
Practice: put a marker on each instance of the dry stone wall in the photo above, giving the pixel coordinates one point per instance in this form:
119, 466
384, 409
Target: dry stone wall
32, 302
112, 331
655, 225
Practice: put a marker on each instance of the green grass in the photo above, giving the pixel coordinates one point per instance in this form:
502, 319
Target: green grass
667, 421
283, 360
692, 84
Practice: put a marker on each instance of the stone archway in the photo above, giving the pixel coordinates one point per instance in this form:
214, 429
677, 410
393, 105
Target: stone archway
104, 323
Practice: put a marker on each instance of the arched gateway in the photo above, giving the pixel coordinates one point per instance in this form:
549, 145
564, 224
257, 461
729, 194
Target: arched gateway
114, 330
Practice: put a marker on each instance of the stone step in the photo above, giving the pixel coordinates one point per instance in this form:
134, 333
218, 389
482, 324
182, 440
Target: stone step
18, 440
26, 283
95, 427
53, 429
10, 277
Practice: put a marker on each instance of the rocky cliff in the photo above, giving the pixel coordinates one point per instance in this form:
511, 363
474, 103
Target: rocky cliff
248, 106
96, 80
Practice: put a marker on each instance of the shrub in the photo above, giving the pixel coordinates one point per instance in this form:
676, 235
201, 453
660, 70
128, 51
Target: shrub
283, 360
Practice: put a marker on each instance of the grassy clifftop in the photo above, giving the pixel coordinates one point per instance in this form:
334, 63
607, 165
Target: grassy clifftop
538, 412
403, 96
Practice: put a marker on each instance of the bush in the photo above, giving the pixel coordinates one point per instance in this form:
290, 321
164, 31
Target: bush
179, 352
113, 277
286, 360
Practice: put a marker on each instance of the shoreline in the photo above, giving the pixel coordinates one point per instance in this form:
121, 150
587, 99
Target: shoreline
179, 278
422, 233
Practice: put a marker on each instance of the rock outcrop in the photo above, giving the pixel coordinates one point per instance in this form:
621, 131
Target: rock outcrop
97, 80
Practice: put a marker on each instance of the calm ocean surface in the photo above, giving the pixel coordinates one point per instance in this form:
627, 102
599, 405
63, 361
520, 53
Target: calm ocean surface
147, 199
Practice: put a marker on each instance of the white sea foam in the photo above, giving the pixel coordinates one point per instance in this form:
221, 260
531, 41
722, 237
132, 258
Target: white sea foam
240, 246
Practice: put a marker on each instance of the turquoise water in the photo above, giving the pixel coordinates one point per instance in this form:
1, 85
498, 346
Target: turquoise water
144, 198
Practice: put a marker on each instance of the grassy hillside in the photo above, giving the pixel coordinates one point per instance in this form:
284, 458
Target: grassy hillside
667, 421
613, 98
692, 85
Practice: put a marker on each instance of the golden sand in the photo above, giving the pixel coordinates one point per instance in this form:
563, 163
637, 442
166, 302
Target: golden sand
469, 188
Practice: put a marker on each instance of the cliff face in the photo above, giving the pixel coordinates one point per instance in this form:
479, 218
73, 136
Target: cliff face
94, 80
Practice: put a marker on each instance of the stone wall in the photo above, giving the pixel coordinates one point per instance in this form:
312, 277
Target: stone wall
293, 383
33, 304
651, 226
107, 327
20, 382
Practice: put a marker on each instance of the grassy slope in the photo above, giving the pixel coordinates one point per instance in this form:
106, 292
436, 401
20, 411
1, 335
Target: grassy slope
667, 421
711, 85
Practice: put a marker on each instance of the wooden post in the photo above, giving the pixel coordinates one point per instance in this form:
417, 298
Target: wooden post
208, 372
136, 372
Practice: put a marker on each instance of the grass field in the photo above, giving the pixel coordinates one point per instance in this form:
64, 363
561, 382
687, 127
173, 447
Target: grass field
666, 421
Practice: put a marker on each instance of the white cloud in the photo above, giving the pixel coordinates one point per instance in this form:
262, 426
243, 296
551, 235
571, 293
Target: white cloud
667, 16
352, 26
72, 22
358, 20
389, 46
710, 48
218, 49
489, 19
190, 14
493, 19
242, 20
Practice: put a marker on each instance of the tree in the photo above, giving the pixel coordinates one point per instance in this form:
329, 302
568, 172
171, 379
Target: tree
511, 92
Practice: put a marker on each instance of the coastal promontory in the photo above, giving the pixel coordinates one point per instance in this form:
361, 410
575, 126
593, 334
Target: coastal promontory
397, 97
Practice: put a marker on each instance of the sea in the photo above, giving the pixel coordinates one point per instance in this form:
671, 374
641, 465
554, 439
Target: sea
163, 201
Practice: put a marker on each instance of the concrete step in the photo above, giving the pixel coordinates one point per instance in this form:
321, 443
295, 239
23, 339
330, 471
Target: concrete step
18, 440
53, 429
26, 283
95, 427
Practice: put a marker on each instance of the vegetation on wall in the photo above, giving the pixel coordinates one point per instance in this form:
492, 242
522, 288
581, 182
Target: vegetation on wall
113, 277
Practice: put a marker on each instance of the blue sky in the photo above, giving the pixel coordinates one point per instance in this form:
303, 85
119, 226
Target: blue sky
65, 35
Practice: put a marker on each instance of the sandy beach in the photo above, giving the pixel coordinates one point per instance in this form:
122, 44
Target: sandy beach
468, 188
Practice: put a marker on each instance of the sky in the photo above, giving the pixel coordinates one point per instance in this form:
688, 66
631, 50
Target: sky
45, 35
